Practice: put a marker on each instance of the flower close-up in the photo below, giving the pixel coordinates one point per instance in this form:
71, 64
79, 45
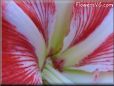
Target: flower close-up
57, 42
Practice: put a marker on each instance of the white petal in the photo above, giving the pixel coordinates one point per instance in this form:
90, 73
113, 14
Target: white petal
88, 78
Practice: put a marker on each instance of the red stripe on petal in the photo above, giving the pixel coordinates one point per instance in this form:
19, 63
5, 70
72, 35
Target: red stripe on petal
39, 11
19, 62
86, 20
2, 6
102, 56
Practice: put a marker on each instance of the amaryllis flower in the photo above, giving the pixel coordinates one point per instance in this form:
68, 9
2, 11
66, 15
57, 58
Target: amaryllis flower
56, 42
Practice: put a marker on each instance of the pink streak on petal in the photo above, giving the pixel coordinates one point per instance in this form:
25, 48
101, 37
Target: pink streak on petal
96, 75
19, 61
58, 64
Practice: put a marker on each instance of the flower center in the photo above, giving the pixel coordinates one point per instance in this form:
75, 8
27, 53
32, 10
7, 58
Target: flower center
61, 27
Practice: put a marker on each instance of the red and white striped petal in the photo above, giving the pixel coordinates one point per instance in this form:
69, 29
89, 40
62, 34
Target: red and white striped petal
85, 20
24, 24
84, 48
101, 59
41, 12
19, 61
